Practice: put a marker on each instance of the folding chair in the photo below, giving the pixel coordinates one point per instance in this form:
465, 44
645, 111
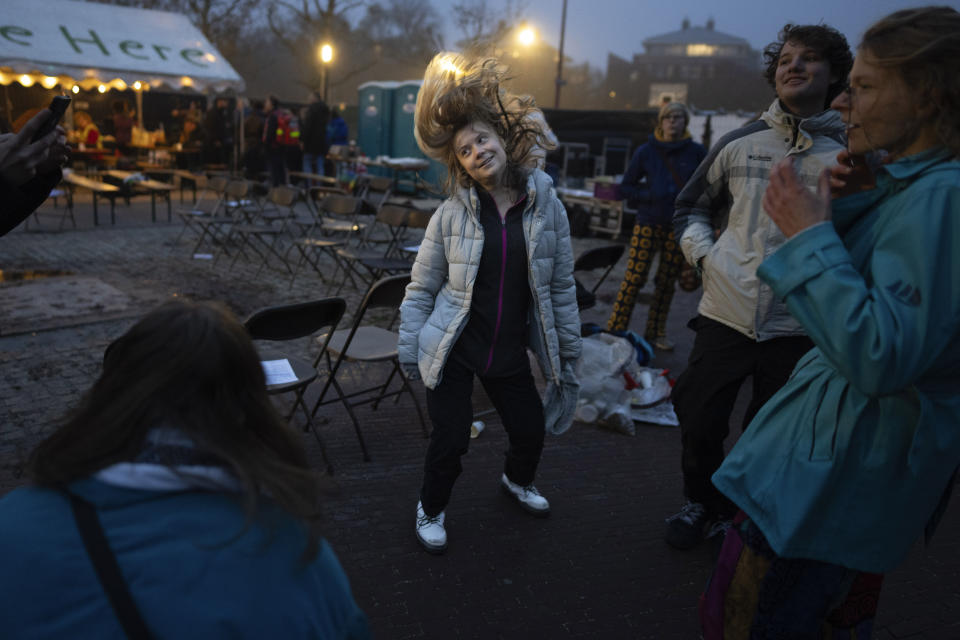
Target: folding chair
65, 191
262, 228
605, 257
206, 217
290, 322
376, 190
369, 266
326, 233
369, 344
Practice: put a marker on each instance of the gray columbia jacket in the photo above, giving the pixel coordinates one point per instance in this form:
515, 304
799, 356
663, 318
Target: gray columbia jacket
730, 183
436, 307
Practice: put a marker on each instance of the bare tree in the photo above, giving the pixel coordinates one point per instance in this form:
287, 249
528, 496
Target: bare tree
407, 30
482, 27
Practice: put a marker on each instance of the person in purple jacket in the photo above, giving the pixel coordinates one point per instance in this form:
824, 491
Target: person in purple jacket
657, 173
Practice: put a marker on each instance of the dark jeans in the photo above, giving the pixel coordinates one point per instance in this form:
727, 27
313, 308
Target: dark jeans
704, 395
518, 403
277, 162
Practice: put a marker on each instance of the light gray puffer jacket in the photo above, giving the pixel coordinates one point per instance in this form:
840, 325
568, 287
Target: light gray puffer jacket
436, 307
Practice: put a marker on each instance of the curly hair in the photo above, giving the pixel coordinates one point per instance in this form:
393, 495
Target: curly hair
458, 91
827, 41
923, 46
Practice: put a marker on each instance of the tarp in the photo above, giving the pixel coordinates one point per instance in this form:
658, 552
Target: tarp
86, 43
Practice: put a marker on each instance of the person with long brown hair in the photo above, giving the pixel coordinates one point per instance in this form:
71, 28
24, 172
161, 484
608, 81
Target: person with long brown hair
855, 457
202, 495
494, 275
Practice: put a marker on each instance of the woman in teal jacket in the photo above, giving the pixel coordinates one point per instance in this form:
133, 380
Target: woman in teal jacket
203, 496
853, 459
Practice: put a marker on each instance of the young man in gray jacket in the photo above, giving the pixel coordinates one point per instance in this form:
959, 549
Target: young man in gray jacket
741, 329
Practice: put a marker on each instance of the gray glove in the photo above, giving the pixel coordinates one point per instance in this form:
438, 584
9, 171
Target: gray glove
411, 371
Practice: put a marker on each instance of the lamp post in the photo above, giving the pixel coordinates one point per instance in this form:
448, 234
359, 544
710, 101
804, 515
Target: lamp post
326, 55
563, 29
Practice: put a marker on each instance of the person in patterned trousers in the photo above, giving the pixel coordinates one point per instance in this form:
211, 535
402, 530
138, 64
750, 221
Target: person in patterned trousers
657, 172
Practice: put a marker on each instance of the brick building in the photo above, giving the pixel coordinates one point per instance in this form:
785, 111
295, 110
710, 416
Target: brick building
703, 67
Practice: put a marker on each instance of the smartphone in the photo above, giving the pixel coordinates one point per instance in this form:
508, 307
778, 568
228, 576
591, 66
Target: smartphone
58, 106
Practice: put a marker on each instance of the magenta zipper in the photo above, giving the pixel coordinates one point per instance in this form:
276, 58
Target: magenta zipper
503, 269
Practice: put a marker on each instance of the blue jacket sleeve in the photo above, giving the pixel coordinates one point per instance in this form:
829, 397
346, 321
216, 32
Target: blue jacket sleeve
883, 329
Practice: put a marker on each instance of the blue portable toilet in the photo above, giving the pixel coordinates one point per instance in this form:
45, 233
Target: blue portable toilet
375, 121
404, 144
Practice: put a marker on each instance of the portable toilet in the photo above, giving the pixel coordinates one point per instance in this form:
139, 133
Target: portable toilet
375, 121
404, 144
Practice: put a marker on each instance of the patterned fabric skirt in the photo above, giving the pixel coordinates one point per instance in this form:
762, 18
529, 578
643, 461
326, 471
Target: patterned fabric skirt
756, 594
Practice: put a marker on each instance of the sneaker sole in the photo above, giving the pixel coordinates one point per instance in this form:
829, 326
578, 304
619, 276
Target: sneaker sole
545, 513
432, 549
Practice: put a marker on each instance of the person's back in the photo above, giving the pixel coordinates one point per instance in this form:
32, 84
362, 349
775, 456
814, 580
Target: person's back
192, 565
314, 135
175, 450
337, 131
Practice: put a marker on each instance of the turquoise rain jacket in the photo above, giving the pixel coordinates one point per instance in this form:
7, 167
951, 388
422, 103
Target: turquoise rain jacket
849, 460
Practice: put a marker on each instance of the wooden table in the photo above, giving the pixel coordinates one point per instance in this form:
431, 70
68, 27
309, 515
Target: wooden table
152, 187
314, 177
96, 187
184, 176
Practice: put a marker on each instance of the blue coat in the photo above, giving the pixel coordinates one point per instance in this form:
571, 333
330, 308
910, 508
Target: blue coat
848, 461
654, 199
192, 568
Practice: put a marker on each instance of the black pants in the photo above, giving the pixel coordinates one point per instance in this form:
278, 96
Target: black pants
277, 163
517, 402
705, 393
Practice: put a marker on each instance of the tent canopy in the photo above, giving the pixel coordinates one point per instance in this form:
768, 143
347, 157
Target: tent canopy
69, 42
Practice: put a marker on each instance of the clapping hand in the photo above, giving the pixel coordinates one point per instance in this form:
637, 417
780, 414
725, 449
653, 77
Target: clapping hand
21, 159
791, 205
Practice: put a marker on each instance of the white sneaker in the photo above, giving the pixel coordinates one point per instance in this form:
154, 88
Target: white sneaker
528, 497
430, 531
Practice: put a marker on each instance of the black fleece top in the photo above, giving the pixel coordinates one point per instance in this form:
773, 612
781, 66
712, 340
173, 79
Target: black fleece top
495, 339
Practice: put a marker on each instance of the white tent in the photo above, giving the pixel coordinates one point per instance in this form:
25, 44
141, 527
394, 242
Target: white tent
88, 45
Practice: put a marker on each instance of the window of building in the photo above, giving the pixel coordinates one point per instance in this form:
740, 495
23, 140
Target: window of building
699, 50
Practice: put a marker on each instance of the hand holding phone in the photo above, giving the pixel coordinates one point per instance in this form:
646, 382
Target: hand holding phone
29, 152
58, 106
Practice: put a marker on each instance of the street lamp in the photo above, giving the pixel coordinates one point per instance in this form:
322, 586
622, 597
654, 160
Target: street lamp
326, 56
526, 36
560, 83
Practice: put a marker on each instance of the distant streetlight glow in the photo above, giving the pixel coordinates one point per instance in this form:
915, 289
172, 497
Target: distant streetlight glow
526, 36
326, 56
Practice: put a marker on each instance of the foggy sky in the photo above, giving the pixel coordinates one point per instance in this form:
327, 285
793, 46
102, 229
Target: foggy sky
596, 27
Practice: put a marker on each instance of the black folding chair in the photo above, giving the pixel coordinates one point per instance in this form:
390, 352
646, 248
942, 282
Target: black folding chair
606, 258
369, 344
290, 322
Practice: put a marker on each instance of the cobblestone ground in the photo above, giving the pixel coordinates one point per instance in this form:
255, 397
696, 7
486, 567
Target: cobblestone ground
596, 569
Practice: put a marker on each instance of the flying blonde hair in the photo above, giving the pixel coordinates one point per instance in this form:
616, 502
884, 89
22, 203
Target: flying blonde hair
458, 91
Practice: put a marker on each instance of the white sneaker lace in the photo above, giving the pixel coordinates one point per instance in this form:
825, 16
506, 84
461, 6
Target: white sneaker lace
688, 513
424, 520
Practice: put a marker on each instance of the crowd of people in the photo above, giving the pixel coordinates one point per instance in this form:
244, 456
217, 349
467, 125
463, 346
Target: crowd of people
825, 232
